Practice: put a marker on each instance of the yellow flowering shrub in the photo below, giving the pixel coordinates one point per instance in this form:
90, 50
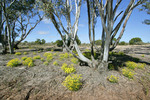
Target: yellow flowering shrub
131, 65
55, 63
128, 73
25, 53
140, 65
68, 69
46, 63
13, 63
42, 59
49, 58
70, 55
34, 53
46, 54
55, 54
37, 57
142, 55
18, 53
63, 56
74, 60
72, 82
24, 58
112, 79
28, 62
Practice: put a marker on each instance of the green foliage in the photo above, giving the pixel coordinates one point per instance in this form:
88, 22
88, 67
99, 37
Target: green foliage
74, 60
131, 65
13, 63
46, 54
59, 43
72, 82
63, 56
122, 43
28, 62
18, 53
24, 58
128, 73
55, 54
38, 41
88, 55
25, 53
37, 57
55, 63
68, 69
46, 63
135, 41
42, 59
142, 55
49, 58
140, 65
34, 53
111, 67
70, 55
112, 79
98, 42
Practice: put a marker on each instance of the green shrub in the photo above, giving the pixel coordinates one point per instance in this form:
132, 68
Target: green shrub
34, 53
18, 53
135, 41
24, 58
46, 54
74, 60
55, 54
37, 57
55, 63
140, 65
72, 82
142, 55
59, 43
68, 69
122, 43
128, 73
49, 58
42, 59
28, 62
13, 63
112, 79
63, 56
70, 55
111, 67
25, 53
131, 65
46, 63
120, 53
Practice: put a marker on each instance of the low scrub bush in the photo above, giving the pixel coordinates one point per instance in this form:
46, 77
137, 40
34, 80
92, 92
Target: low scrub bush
46, 63
18, 53
14, 62
131, 65
46, 54
25, 53
140, 65
112, 79
28, 62
72, 82
128, 73
42, 59
68, 69
55, 63
37, 57
74, 60
49, 58
24, 58
34, 53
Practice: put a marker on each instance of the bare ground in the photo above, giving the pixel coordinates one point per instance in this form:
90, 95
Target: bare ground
43, 82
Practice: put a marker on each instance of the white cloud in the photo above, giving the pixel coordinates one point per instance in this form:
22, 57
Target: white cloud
81, 25
46, 21
42, 32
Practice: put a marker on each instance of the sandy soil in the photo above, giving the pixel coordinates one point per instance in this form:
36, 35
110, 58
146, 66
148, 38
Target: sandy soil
43, 82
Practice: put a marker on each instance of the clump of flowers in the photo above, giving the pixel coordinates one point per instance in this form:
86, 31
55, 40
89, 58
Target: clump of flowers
37, 57
46, 54
112, 79
68, 69
142, 55
141, 65
34, 53
42, 59
25, 53
131, 65
49, 58
18, 53
13, 63
72, 82
28, 62
24, 58
55, 63
128, 73
63, 56
70, 55
55, 54
74, 60
46, 63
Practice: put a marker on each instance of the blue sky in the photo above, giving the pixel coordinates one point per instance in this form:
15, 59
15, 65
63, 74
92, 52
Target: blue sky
135, 28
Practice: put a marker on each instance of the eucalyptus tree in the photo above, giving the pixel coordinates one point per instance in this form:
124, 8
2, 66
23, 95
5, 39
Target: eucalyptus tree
61, 11
17, 16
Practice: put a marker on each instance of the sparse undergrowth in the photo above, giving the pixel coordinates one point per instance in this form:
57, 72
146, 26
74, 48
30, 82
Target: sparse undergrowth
128, 73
